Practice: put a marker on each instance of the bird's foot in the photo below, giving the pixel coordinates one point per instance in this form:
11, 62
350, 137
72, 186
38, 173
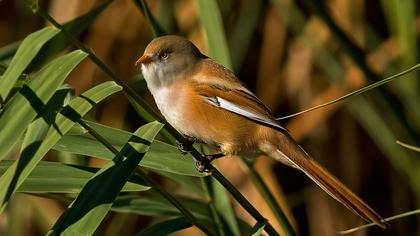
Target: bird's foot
186, 145
203, 165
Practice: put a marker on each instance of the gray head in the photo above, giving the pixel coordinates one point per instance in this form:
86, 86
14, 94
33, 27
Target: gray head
168, 58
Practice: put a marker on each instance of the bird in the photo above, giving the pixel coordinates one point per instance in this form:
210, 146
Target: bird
206, 102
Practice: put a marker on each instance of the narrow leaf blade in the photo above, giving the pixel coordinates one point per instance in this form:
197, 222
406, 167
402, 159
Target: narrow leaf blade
166, 227
223, 206
96, 198
156, 27
24, 55
155, 205
211, 20
59, 42
64, 121
37, 131
55, 177
161, 157
31, 99
258, 228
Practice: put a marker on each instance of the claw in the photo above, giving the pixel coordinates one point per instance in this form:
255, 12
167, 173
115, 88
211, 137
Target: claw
213, 156
202, 166
184, 147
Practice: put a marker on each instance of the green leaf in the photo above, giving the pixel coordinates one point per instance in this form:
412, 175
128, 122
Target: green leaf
269, 198
241, 34
75, 27
244, 226
24, 55
165, 157
166, 227
155, 205
186, 181
58, 42
400, 17
223, 206
36, 132
7, 52
31, 99
72, 112
96, 198
211, 20
23, 79
161, 157
156, 28
55, 177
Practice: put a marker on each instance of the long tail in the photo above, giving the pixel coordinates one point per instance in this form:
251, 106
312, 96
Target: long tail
288, 152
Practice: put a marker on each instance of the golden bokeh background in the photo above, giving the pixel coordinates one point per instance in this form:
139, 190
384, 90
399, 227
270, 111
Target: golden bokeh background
292, 60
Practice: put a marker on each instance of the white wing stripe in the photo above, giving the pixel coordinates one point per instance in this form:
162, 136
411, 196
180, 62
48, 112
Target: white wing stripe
229, 106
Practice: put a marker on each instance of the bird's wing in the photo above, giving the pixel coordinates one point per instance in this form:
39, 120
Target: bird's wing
219, 87
243, 111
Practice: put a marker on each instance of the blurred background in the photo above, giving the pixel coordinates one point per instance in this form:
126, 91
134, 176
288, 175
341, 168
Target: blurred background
293, 55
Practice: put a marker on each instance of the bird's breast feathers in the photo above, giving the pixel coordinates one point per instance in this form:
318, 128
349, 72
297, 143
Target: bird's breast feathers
171, 104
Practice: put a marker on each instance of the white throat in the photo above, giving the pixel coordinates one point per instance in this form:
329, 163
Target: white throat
154, 76
170, 102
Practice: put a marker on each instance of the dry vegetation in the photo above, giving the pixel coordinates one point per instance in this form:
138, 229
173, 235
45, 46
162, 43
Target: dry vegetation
293, 60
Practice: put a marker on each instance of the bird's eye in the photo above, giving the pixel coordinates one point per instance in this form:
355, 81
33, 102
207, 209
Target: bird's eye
163, 55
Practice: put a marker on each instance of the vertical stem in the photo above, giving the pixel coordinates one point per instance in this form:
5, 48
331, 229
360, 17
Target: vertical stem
190, 217
242, 200
270, 200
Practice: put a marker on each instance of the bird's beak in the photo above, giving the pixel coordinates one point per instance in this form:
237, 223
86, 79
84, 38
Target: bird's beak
145, 59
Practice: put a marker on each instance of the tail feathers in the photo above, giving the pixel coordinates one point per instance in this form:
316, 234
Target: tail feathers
297, 157
341, 193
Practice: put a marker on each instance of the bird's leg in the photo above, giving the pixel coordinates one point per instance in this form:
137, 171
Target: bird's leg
212, 157
185, 146
202, 165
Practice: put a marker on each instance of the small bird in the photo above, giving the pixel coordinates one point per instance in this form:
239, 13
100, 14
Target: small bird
206, 102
